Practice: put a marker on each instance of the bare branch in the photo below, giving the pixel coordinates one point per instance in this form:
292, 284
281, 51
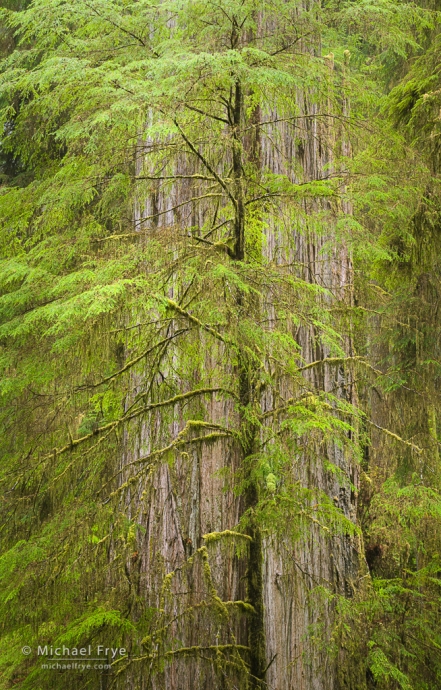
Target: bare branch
183, 203
130, 364
202, 112
205, 162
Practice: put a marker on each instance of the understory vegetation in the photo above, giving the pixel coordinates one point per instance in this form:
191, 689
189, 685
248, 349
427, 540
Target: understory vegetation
220, 341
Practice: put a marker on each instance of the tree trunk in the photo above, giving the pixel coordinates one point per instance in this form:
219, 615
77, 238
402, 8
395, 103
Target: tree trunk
188, 500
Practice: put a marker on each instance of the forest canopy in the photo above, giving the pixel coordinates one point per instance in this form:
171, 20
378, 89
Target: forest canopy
219, 344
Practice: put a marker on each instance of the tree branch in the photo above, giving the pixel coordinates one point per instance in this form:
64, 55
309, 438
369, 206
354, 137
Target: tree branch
135, 413
205, 162
132, 362
396, 437
202, 112
171, 303
177, 177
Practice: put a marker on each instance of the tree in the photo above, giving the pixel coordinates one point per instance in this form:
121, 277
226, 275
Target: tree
181, 424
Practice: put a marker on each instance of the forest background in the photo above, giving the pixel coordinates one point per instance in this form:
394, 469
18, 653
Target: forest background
220, 342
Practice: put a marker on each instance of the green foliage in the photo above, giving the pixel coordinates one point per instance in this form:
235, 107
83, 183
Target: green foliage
127, 304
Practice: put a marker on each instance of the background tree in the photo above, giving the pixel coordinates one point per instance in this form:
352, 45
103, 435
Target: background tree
180, 346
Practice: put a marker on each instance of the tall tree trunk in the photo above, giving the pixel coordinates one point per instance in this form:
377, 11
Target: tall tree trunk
288, 631
286, 628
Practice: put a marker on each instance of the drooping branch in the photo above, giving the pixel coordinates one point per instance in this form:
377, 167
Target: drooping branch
134, 361
202, 112
396, 437
204, 162
157, 455
217, 536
